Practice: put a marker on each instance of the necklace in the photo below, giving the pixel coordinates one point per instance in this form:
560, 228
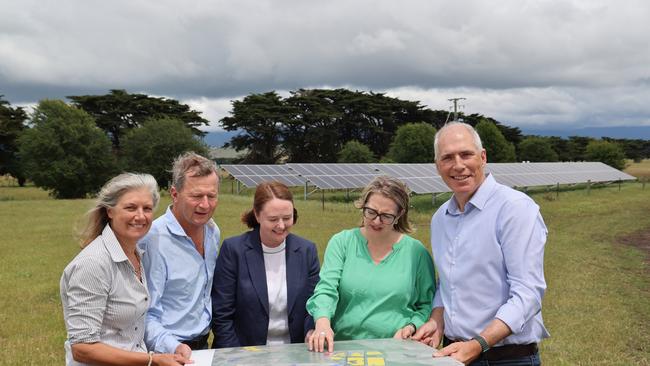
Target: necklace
136, 267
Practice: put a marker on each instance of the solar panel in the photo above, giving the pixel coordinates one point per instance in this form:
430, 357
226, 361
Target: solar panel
423, 178
252, 175
335, 176
420, 178
542, 174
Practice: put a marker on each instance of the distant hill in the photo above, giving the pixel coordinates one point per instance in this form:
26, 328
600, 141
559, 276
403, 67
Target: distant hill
621, 132
218, 138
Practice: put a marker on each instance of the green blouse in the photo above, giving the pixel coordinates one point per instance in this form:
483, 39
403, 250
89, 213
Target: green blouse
364, 300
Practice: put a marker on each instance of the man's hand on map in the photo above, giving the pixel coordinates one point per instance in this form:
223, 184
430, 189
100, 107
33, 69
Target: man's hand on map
184, 350
430, 333
321, 336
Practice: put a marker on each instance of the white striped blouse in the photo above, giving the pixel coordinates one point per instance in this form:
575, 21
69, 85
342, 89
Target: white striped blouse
103, 300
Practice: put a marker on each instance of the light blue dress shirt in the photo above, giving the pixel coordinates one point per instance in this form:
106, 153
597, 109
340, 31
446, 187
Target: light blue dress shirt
179, 281
490, 262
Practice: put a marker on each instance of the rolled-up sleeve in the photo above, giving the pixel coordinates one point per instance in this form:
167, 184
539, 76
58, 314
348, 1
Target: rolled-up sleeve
523, 236
156, 336
86, 286
425, 288
322, 304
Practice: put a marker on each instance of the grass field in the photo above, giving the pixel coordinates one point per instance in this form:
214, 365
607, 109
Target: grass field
640, 170
597, 306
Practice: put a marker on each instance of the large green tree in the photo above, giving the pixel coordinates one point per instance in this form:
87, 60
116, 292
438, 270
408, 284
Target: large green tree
537, 149
12, 124
120, 111
578, 146
65, 152
561, 147
413, 143
498, 149
313, 125
512, 134
153, 147
606, 152
356, 152
260, 118
311, 133
635, 149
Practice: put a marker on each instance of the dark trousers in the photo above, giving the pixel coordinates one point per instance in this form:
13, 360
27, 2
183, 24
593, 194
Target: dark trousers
200, 342
520, 361
508, 355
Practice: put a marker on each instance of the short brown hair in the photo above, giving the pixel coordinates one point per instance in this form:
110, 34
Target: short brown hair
265, 192
394, 189
191, 162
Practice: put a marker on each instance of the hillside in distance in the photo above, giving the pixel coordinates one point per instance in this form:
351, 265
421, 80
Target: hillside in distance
617, 132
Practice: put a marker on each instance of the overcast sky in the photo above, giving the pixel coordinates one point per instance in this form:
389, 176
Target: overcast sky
531, 64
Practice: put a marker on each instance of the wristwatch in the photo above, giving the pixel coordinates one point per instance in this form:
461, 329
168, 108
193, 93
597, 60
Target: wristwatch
482, 342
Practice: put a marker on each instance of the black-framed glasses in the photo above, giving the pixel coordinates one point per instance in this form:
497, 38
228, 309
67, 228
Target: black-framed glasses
384, 218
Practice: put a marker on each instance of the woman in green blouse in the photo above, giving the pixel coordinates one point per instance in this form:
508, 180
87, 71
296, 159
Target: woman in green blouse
376, 281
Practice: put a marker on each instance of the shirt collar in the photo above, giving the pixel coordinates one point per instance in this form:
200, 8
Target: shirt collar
172, 223
478, 200
113, 245
273, 250
363, 249
175, 227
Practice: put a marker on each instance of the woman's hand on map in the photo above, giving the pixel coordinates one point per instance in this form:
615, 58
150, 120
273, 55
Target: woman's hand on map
406, 332
321, 337
169, 360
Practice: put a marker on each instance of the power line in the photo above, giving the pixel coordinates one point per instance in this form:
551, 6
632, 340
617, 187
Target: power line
455, 101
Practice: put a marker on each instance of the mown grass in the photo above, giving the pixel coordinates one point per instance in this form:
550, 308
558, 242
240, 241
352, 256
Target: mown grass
640, 170
597, 306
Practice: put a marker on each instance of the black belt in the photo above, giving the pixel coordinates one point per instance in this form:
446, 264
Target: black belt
505, 352
200, 342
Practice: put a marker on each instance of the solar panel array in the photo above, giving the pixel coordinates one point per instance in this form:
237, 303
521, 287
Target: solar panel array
336, 176
252, 175
422, 178
543, 174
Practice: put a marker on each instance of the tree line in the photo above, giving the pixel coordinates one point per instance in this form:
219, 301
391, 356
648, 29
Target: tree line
340, 125
71, 148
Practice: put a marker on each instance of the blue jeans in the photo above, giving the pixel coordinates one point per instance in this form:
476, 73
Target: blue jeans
533, 360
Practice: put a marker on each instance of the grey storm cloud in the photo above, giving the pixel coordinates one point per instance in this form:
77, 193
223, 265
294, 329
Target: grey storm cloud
523, 62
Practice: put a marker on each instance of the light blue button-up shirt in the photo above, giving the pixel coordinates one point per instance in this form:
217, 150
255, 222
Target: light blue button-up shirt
490, 262
179, 281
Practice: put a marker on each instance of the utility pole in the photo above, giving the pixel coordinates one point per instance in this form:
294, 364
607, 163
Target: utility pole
455, 101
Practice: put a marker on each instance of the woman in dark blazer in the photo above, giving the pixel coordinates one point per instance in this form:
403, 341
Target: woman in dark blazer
264, 277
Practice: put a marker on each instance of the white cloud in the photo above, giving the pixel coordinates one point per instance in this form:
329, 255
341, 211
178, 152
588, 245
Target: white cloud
523, 62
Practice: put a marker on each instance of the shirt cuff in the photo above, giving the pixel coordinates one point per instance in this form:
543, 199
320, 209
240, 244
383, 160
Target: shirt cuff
418, 322
321, 313
437, 300
169, 345
510, 315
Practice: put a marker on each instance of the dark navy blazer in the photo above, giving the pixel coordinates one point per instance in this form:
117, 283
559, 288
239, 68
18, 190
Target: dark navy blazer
240, 305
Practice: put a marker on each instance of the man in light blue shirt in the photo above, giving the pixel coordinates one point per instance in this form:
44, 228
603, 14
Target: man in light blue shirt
488, 247
181, 253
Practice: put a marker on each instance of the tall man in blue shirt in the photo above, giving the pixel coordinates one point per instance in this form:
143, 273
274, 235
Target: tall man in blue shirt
488, 247
179, 260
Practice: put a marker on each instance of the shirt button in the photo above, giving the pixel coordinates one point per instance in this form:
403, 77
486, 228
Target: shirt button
136, 328
146, 298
